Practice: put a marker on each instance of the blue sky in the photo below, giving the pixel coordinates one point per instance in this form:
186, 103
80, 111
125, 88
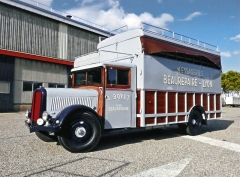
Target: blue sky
213, 21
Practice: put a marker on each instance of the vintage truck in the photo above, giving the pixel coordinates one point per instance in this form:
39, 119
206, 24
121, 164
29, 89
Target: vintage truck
136, 79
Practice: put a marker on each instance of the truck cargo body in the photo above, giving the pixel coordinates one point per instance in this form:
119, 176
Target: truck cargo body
174, 89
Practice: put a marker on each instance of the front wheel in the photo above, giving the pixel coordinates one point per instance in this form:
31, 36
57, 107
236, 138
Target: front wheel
81, 133
194, 125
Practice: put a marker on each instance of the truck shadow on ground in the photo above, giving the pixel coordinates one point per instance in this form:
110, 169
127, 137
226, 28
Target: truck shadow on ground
216, 125
117, 139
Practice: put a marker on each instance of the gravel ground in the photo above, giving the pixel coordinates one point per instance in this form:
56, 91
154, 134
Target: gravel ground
122, 154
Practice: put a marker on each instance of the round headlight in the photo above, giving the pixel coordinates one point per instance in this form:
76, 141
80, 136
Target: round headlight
40, 121
45, 116
27, 114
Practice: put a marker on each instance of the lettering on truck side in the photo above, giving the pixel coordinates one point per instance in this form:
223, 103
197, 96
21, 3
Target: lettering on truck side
190, 71
121, 96
119, 107
186, 81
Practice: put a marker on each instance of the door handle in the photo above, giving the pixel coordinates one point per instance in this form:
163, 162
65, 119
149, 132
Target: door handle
107, 97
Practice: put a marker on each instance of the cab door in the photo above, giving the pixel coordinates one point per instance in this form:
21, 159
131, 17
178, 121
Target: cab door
120, 107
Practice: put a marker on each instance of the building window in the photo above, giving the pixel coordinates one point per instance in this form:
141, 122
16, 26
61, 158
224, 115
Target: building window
4, 87
27, 86
30, 86
36, 85
53, 85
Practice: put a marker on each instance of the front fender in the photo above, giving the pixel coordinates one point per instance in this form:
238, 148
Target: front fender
63, 116
55, 124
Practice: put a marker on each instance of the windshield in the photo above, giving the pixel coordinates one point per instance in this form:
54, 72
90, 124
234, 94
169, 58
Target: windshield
89, 76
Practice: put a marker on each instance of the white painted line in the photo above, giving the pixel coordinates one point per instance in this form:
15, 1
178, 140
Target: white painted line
234, 127
171, 169
214, 142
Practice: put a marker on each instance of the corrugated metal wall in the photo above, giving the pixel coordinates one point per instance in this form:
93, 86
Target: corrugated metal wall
27, 32
80, 42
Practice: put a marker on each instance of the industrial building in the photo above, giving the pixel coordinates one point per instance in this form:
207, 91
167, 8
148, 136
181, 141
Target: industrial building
38, 48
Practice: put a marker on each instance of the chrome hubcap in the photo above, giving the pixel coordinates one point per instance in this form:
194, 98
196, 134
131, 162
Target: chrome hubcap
193, 121
80, 132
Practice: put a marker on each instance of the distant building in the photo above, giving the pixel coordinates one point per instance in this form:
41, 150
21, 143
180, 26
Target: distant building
37, 48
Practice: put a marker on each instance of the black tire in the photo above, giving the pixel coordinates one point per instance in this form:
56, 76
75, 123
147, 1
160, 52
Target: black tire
81, 133
44, 136
194, 125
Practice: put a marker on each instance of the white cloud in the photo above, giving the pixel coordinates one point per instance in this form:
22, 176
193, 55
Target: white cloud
232, 17
236, 38
236, 52
86, 1
229, 54
160, 21
226, 54
110, 14
159, 1
191, 16
44, 2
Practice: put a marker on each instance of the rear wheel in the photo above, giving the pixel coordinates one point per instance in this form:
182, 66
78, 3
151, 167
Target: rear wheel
81, 133
44, 136
194, 125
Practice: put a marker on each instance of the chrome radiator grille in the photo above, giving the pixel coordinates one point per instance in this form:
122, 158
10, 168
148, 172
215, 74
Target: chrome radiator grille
59, 103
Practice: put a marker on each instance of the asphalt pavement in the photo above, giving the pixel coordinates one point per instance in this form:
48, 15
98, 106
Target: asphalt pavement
160, 152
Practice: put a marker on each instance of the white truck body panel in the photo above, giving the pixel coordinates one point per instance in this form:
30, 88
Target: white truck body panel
175, 75
120, 105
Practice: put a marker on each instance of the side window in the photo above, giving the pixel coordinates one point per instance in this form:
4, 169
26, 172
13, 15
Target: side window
118, 76
122, 77
111, 76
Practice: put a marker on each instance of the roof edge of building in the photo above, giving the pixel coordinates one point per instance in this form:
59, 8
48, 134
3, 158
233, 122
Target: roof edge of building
46, 13
35, 57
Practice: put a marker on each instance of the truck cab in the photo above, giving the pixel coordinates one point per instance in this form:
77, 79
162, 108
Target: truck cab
116, 88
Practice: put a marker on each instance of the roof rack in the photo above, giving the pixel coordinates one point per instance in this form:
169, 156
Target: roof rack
176, 36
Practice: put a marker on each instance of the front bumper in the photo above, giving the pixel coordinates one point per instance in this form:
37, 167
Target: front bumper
36, 128
49, 125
